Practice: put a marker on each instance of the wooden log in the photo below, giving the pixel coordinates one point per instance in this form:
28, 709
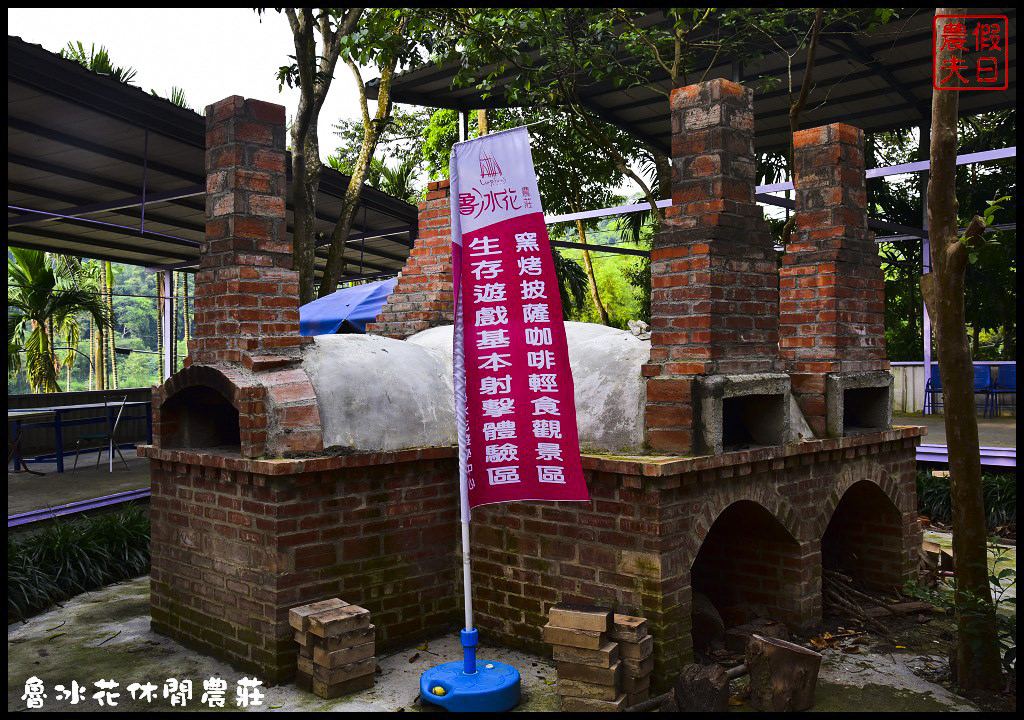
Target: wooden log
702, 688
904, 608
783, 675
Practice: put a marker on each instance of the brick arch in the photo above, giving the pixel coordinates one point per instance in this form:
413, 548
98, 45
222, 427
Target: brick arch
763, 496
238, 387
850, 475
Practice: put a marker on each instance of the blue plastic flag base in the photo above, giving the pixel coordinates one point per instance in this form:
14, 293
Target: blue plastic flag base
494, 687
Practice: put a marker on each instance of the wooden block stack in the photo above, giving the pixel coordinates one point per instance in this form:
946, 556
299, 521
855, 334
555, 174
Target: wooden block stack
589, 669
636, 655
336, 648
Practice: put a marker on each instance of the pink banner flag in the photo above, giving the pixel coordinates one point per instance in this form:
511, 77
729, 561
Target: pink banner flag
513, 386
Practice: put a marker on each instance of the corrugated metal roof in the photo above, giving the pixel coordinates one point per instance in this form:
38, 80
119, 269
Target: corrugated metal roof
875, 80
100, 169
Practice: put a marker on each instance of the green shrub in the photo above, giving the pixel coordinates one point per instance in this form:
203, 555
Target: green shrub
1000, 493
70, 557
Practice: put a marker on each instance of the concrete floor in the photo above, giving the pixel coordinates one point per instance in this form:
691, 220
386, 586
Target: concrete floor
992, 432
33, 492
105, 635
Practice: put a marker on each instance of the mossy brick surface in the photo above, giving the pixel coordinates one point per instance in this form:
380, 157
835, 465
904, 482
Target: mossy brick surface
590, 673
298, 617
580, 617
637, 668
344, 656
604, 657
637, 650
588, 639
339, 620
333, 676
626, 628
595, 691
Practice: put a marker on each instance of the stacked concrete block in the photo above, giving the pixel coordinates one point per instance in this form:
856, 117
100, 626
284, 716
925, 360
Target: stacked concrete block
636, 655
589, 669
336, 648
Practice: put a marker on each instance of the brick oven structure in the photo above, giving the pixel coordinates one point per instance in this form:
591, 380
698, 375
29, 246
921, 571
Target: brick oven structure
252, 515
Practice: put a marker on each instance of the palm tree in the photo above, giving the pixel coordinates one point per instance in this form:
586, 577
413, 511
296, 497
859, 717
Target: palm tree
98, 61
573, 283
399, 181
44, 300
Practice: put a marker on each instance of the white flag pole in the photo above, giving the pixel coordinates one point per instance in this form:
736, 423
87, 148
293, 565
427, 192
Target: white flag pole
495, 687
459, 363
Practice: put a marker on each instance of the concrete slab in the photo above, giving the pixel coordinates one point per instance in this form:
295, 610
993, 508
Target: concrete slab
105, 635
27, 492
992, 432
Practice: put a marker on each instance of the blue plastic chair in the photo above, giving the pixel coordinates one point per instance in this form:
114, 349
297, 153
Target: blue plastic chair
932, 387
1005, 386
983, 384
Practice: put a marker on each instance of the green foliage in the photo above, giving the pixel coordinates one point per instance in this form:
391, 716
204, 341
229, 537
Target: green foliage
639, 276
402, 138
1000, 497
45, 296
70, 557
991, 297
440, 134
97, 61
977, 613
572, 284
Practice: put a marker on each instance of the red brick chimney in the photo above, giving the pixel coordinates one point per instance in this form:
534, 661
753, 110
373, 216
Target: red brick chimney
423, 296
242, 384
832, 294
714, 280
246, 296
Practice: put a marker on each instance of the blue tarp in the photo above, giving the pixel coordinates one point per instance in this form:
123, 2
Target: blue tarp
345, 311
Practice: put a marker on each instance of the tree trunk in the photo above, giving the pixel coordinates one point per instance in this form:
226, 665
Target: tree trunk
92, 354
304, 202
702, 688
783, 675
159, 327
977, 651
174, 325
109, 272
372, 131
184, 308
663, 165
591, 278
481, 121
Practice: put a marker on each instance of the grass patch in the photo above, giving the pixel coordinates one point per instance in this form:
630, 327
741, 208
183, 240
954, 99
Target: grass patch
1000, 493
70, 557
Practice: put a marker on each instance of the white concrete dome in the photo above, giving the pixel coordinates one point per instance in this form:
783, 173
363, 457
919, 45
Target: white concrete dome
380, 394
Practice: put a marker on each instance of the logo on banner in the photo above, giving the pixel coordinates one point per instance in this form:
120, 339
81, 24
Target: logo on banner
490, 170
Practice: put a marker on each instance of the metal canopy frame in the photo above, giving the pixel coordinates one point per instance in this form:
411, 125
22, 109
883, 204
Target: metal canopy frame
104, 170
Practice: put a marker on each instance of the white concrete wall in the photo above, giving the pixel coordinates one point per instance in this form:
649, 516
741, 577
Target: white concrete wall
908, 388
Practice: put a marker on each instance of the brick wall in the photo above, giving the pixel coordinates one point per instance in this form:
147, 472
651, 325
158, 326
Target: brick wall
832, 293
238, 543
423, 296
633, 547
714, 284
